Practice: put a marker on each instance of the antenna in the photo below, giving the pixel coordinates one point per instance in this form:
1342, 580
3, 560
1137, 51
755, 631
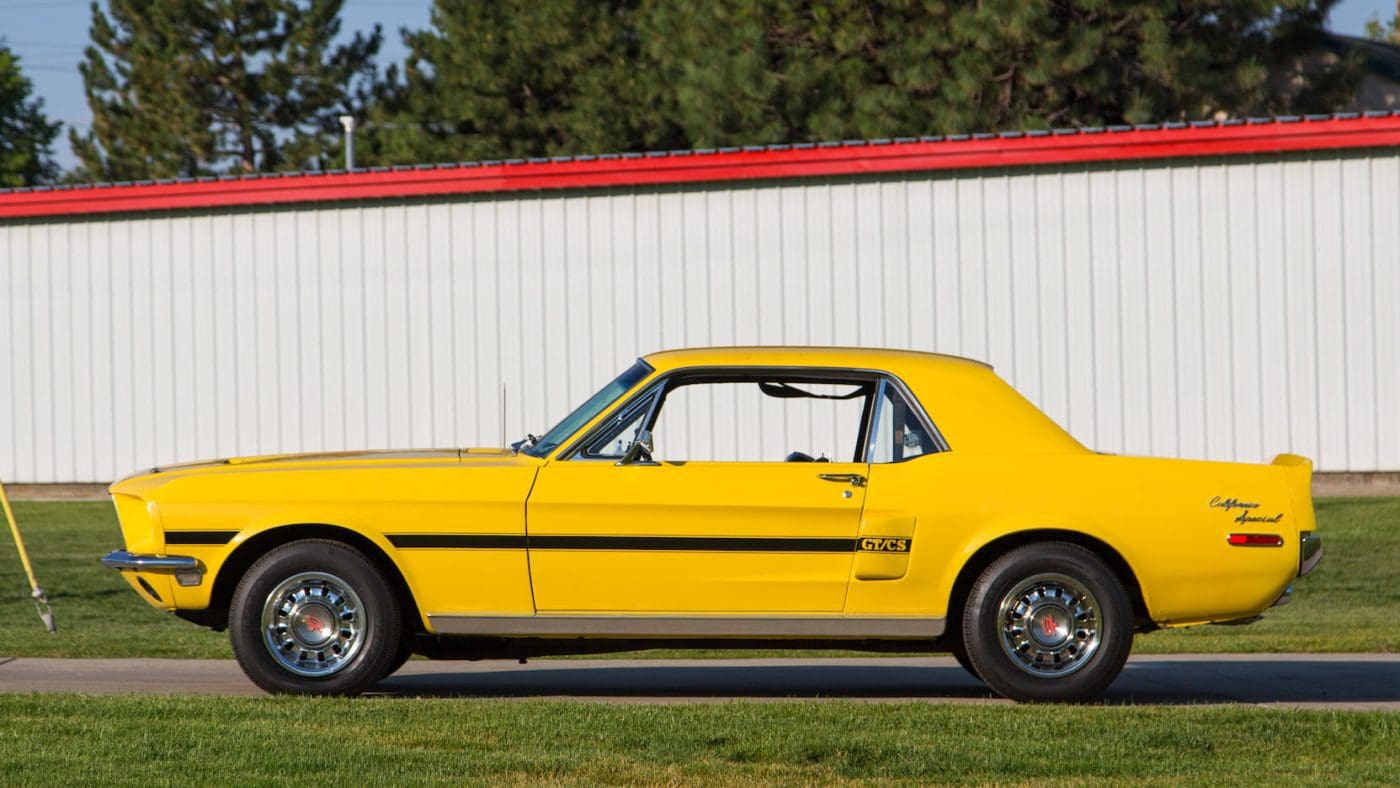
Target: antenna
503, 413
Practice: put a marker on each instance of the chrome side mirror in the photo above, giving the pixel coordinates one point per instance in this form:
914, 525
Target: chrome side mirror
639, 453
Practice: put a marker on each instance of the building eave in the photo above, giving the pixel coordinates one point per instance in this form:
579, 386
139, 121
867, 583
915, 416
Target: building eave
838, 159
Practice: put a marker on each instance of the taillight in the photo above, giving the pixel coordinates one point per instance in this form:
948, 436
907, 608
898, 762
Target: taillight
1256, 540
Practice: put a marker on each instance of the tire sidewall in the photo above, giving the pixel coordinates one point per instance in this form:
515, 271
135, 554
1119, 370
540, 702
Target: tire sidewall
381, 629
982, 638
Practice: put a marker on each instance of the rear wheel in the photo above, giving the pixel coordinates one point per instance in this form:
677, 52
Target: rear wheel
1048, 622
315, 617
401, 657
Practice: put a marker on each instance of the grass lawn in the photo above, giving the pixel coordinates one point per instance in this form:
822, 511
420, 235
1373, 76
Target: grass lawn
1349, 604
76, 740
98, 614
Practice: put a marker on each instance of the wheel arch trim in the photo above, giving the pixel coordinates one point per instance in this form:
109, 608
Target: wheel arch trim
982, 556
250, 545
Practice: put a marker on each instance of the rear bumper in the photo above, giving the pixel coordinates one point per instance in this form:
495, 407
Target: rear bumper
1309, 552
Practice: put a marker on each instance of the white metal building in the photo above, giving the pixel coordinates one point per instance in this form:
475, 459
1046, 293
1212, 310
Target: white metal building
1224, 290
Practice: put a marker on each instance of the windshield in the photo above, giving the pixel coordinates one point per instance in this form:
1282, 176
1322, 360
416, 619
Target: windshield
590, 409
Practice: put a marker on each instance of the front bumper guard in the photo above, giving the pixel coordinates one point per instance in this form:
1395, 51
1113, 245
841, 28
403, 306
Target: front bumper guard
143, 562
186, 568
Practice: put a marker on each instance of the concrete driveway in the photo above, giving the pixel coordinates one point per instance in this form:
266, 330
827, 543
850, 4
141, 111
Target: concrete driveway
1323, 681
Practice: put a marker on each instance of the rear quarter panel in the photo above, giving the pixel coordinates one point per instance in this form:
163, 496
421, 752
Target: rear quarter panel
1156, 513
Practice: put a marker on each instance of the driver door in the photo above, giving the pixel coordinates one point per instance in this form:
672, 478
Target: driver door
749, 504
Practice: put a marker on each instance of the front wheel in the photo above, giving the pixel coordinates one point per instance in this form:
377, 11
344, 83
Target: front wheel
1048, 622
314, 617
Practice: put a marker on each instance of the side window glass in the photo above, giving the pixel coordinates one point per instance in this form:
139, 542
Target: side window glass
898, 433
772, 420
615, 439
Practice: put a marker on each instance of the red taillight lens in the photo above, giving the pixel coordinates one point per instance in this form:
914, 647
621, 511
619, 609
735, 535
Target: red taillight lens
1256, 540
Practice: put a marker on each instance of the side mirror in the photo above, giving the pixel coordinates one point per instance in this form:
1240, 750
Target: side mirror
639, 453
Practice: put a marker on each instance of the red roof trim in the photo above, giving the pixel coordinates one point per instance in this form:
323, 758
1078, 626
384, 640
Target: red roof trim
978, 151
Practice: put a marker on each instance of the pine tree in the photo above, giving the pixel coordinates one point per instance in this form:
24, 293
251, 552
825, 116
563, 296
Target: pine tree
199, 87
845, 69
511, 78
26, 135
1386, 32
519, 78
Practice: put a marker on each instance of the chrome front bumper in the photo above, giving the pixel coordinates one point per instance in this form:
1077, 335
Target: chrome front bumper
186, 568
121, 559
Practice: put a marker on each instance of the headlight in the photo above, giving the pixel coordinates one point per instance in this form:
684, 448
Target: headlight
140, 523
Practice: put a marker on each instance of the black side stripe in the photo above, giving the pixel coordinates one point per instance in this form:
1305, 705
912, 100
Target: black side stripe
727, 544
199, 537
477, 541
719, 544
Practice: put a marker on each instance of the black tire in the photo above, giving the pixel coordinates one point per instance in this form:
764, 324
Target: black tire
331, 609
959, 653
401, 656
1053, 644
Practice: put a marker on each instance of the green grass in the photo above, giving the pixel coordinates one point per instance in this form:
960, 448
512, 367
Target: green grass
98, 614
77, 740
1349, 604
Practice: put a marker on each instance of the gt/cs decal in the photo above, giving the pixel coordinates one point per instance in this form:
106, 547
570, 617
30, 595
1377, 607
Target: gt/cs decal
883, 544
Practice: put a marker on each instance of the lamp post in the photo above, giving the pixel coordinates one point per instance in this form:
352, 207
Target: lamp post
347, 122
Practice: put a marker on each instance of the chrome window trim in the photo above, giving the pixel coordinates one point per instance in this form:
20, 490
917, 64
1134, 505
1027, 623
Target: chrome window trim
604, 427
939, 444
658, 383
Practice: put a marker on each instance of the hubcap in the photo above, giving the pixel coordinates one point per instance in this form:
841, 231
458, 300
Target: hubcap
1049, 625
313, 624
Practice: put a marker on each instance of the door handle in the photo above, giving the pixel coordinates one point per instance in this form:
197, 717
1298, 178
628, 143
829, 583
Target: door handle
855, 479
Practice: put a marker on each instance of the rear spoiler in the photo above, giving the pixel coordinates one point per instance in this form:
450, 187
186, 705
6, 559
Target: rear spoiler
1297, 470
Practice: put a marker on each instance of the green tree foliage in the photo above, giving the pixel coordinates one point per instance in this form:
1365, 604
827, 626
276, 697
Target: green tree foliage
506, 78
199, 87
26, 135
1386, 32
520, 78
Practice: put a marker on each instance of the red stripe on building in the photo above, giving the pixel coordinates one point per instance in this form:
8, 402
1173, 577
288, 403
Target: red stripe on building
1271, 137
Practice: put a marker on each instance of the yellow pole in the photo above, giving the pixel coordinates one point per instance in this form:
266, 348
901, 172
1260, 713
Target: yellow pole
41, 601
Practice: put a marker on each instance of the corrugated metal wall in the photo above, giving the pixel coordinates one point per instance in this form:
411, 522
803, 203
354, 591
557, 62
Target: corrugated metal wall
1218, 308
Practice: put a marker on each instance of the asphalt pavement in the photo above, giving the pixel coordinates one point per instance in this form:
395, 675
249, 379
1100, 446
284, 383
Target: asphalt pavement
1319, 681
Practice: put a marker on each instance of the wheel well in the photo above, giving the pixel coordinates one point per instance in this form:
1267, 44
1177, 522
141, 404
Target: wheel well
258, 545
998, 547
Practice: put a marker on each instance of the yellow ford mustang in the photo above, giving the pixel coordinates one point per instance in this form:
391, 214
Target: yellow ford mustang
791, 497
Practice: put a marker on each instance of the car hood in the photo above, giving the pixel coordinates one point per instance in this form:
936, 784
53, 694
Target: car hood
133, 484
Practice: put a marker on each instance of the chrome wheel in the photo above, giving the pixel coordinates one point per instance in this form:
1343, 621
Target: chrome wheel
1049, 625
313, 624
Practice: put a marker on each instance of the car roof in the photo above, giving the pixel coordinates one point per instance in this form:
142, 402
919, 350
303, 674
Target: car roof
803, 356
975, 410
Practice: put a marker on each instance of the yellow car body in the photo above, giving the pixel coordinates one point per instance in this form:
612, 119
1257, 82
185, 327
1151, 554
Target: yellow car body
513, 547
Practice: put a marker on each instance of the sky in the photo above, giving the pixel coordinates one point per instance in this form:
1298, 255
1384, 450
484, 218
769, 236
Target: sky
49, 37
